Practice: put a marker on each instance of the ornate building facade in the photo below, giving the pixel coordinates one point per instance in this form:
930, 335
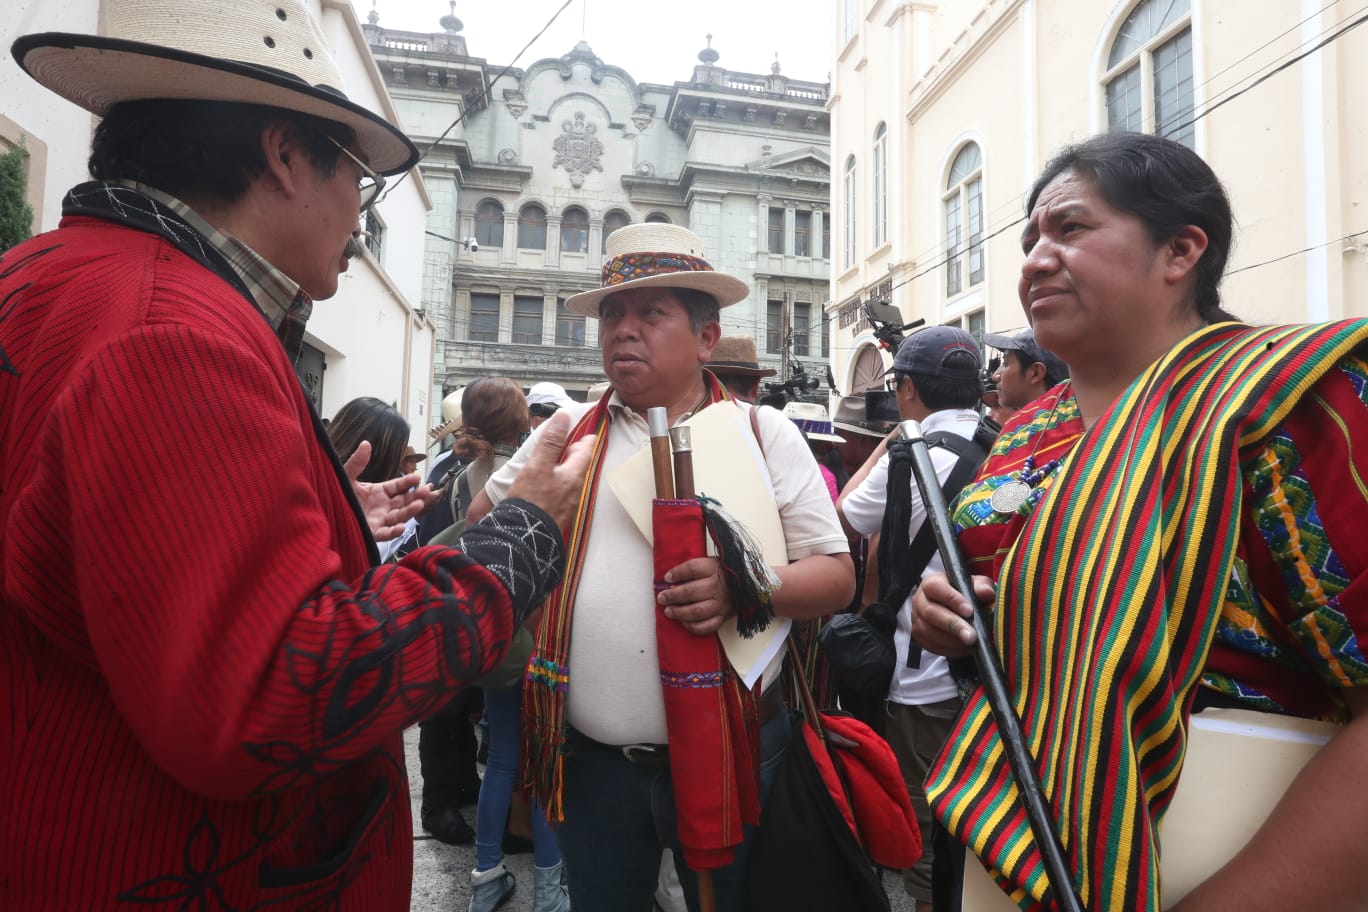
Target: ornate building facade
530, 172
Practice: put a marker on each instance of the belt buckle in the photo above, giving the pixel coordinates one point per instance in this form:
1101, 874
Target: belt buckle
644, 754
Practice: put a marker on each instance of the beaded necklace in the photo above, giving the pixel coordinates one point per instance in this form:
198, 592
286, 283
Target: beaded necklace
1023, 483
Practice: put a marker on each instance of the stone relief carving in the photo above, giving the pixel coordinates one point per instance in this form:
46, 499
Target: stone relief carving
515, 102
645, 169
508, 157
577, 149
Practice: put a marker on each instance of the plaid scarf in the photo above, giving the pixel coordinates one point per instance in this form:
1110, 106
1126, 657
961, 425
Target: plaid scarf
1107, 608
548, 669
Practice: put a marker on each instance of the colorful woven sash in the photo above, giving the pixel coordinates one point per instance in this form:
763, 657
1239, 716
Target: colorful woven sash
548, 670
1106, 609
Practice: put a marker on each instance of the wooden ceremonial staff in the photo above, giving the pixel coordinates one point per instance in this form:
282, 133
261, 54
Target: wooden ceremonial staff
994, 683
676, 485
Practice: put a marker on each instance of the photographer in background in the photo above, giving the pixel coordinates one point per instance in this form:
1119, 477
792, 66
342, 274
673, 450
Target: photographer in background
1026, 372
544, 400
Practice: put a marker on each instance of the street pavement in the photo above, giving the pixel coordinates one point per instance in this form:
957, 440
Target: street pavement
441, 873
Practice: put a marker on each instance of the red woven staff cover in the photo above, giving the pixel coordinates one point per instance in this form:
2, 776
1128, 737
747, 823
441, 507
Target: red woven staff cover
712, 761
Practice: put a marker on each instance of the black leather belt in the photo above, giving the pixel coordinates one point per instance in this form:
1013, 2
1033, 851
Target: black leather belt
657, 756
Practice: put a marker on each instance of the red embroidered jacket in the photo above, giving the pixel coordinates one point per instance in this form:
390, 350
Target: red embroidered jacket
203, 684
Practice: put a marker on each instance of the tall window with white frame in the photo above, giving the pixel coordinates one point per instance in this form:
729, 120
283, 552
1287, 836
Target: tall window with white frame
532, 227
1149, 71
489, 225
848, 240
774, 327
880, 166
776, 230
802, 233
484, 318
963, 201
850, 18
612, 222
574, 231
527, 320
802, 323
569, 326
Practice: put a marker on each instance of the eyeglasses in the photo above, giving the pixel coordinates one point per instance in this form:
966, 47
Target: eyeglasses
370, 183
891, 383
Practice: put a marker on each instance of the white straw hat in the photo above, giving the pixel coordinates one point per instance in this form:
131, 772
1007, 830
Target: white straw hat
249, 51
451, 414
654, 254
812, 420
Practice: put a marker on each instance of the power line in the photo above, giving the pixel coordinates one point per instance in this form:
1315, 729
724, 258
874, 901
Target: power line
481, 97
1286, 256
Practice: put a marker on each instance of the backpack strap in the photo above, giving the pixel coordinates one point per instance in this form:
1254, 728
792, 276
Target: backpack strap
969, 455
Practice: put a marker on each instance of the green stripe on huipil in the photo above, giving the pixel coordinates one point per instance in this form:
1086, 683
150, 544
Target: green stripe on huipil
1107, 606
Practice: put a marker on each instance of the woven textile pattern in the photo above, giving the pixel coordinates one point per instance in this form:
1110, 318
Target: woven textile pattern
631, 266
1110, 599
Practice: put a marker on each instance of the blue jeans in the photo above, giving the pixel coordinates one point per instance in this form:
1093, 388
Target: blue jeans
503, 709
619, 817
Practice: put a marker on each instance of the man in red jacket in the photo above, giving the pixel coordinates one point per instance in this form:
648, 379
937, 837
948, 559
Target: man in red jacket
203, 674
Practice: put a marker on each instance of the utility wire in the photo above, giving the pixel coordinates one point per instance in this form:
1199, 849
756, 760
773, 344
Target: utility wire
1286, 256
481, 97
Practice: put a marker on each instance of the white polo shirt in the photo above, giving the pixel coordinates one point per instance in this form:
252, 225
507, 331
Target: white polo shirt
615, 693
864, 511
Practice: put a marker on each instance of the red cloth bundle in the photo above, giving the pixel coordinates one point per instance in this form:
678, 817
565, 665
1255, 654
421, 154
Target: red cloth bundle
882, 812
712, 723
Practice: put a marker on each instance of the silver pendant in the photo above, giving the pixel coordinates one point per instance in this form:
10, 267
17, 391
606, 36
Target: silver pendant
1010, 496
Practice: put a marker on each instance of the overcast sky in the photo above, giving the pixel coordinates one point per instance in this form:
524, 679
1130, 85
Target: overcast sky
653, 40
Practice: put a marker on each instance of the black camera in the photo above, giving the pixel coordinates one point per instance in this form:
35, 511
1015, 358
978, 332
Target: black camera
881, 407
888, 324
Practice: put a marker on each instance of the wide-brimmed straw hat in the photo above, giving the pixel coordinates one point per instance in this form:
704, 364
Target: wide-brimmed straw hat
451, 415
812, 420
654, 254
249, 51
734, 356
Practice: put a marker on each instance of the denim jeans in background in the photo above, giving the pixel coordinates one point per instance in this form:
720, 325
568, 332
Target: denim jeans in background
619, 817
503, 709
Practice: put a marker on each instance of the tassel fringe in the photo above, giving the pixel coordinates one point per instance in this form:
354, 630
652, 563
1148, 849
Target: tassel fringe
750, 579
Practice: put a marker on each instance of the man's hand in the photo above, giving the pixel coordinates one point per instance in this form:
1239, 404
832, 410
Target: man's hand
554, 488
389, 505
941, 616
698, 596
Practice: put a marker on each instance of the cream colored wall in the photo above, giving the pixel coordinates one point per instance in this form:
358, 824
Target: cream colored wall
1021, 77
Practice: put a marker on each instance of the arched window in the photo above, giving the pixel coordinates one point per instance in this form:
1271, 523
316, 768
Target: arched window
849, 226
612, 222
880, 185
489, 219
963, 201
660, 217
1149, 71
575, 231
532, 227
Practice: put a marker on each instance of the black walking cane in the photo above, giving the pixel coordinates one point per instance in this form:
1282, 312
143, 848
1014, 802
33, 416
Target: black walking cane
990, 673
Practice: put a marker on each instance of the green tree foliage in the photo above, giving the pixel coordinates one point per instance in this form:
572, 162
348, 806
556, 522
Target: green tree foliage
16, 215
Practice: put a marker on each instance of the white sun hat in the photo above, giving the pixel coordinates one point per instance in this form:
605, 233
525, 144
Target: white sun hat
654, 254
812, 420
248, 51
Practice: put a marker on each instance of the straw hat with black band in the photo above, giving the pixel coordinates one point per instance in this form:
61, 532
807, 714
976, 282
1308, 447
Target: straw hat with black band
241, 51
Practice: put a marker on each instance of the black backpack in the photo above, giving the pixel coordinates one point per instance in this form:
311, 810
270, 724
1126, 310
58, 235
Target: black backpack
902, 561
